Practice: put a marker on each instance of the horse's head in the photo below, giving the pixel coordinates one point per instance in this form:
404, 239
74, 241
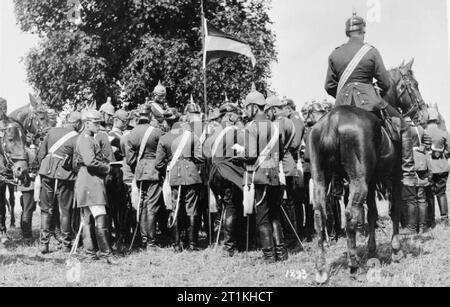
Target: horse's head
406, 94
13, 149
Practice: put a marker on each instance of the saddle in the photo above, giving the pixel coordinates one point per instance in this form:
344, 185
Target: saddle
391, 126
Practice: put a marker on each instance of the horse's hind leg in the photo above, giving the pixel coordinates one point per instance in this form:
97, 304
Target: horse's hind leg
372, 217
320, 219
355, 216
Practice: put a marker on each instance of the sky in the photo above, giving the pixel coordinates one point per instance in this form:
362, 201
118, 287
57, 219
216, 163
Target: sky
307, 32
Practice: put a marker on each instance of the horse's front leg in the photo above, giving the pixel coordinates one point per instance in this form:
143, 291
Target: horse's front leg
12, 204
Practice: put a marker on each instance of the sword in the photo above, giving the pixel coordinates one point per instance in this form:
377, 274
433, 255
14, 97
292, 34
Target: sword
293, 228
138, 217
220, 226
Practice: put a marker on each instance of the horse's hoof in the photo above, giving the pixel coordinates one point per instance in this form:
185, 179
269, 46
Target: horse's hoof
322, 277
398, 256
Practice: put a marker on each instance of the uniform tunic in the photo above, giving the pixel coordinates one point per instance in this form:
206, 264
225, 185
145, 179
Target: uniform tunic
359, 89
94, 167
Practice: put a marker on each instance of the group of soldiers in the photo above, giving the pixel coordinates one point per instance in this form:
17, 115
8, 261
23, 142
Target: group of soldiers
241, 170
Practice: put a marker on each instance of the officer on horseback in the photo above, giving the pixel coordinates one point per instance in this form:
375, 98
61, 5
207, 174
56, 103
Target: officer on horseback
352, 68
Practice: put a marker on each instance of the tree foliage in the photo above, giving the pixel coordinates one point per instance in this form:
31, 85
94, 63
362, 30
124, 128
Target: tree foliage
139, 42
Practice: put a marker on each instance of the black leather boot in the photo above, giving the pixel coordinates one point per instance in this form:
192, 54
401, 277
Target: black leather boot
103, 239
431, 212
266, 240
229, 227
88, 241
151, 244
280, 247
443, 208
44, 239
193, 234
409, 211
25, 224
66, 234
177, 246
409, 174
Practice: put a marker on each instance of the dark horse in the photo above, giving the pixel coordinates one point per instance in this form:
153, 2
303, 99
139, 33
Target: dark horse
350, 143
13, 163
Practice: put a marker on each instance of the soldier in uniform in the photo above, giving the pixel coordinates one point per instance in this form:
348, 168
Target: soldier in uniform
308, 230
184, 177
275, 109
440, 152
115, 186
108, 111
158, 106
226, 177
268, 194
90, 189
196, 125
359, 90
55, 158
147, 177
416, 211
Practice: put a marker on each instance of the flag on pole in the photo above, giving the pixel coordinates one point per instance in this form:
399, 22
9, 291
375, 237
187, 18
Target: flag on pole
218, 44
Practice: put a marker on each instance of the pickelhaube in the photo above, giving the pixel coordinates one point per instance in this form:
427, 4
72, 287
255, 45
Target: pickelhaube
274, 101
228, 108
192, 107
73, 117
122, 115
172, 114
108, 108
93, 116
290, 103
355, 23
160, 90
144, 109
433, 114
255, 97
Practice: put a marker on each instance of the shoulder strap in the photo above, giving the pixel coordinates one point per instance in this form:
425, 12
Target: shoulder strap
179, 150
352, 66
144, 142
219, 138
62, 141
294, 131
418, 136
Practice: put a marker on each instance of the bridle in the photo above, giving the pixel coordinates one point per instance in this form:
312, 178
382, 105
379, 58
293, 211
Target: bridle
407, 89
10, 160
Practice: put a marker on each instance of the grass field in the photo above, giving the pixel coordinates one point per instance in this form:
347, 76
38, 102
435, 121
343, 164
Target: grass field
427, 264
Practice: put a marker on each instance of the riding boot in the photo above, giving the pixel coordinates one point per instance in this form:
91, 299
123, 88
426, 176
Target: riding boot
88, 241
103, 239
144, 228
229, 227
431, 212
152, 231
44, 239
280, 247
422, 211
409, 211
25, 224
177, 246
409, 174
266, 240
193, 234
443, 208
66, 234
289, 234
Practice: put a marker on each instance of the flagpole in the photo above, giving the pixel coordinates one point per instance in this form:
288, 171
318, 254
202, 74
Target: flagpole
205, 101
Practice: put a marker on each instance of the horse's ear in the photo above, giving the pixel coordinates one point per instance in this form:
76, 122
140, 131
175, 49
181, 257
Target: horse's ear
410, 64
403, 64
33, 101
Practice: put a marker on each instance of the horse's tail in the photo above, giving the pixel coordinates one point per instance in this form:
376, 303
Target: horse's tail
329, 143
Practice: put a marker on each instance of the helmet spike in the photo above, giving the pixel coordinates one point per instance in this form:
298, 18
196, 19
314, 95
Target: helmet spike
226, 97
253, 87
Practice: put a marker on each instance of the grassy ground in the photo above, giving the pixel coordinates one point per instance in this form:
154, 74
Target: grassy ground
426, 264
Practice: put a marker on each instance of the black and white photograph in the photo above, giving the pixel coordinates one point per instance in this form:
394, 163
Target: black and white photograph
224, 149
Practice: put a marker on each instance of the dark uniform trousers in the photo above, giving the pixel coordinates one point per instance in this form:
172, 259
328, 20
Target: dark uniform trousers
28, 207
117, 201
268, 218
438, 188
292, 205
151, 206
2, 208
63, 199
188, 203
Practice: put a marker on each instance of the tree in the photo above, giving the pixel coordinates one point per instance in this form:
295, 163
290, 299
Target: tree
139, 42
